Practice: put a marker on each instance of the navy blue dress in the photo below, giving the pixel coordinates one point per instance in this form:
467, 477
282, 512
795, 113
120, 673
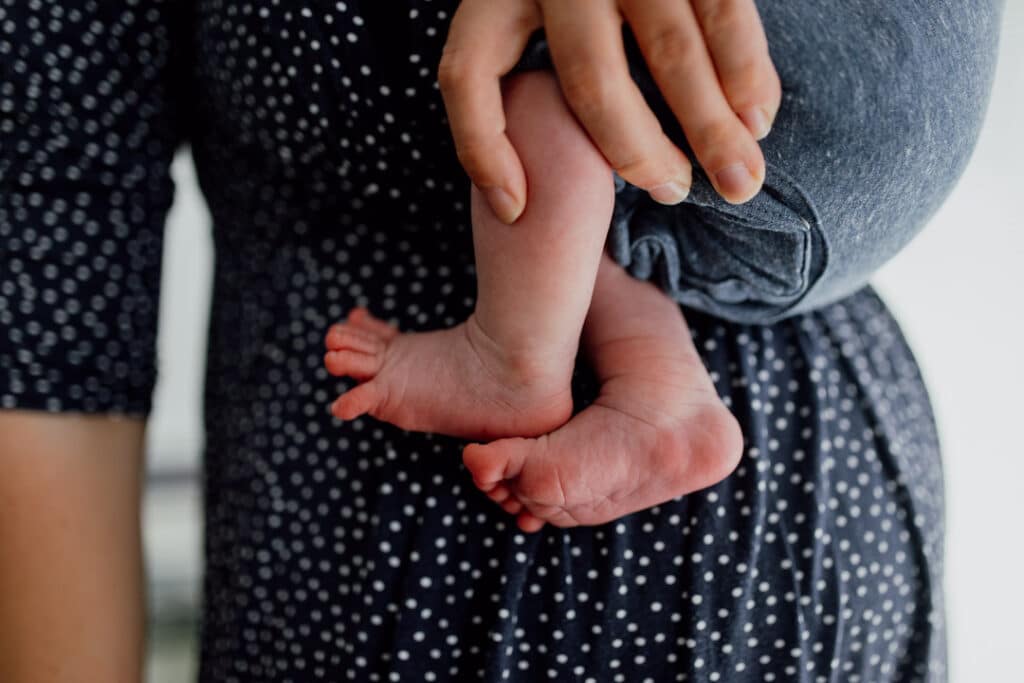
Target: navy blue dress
359, 552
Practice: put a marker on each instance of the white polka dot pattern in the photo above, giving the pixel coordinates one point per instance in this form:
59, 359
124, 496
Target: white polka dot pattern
357, 552
86, 135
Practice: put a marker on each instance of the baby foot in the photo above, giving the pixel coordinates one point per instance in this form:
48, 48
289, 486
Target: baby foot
658, 429
456, 381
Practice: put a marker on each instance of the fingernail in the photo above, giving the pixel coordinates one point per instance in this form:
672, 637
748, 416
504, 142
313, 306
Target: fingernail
504, 206
669, 193
735, 180
757, 121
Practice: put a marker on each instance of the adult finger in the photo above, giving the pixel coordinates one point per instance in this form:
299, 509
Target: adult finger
673, 46
738, 46
484, 42
585, 40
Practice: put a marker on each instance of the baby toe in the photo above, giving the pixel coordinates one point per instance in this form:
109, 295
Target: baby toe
484, 464
528, 522
365, 398
494, 462
352, 363
341, 337
363, 319
499, 493
512, 506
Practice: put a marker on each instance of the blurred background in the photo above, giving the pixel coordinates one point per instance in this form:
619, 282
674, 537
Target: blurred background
958, 291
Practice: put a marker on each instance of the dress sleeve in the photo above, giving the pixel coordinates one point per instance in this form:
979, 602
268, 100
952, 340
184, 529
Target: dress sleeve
882, 104
89, 122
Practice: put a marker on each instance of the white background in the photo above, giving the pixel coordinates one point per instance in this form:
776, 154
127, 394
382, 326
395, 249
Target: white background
957, 290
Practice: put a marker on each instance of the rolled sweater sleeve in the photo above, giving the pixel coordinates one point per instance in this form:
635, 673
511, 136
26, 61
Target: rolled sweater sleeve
882, 104
89, 122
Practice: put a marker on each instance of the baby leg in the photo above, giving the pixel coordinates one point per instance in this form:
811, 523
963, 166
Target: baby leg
506, 370
656, 431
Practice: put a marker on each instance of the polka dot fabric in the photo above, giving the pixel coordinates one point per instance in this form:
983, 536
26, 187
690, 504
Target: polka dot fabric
356, 551
86, 135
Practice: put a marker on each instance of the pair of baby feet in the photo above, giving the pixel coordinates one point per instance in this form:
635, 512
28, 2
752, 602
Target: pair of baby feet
657, 430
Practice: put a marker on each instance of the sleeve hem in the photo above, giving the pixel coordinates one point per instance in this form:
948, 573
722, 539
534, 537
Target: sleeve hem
21, 389
752, 263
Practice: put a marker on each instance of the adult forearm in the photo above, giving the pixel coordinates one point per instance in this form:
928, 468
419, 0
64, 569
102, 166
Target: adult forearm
71, 574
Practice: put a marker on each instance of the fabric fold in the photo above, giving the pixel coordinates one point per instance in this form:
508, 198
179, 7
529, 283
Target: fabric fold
747, 263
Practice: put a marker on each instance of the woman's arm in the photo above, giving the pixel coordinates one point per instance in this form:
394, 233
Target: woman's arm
89, 121
882, 103
71, 574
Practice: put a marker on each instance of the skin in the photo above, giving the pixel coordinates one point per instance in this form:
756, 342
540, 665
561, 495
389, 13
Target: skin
507, 370
71, 572
710, 60
658, 429
71, 581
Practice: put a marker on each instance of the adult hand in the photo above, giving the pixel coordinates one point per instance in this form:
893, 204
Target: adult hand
709, 58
